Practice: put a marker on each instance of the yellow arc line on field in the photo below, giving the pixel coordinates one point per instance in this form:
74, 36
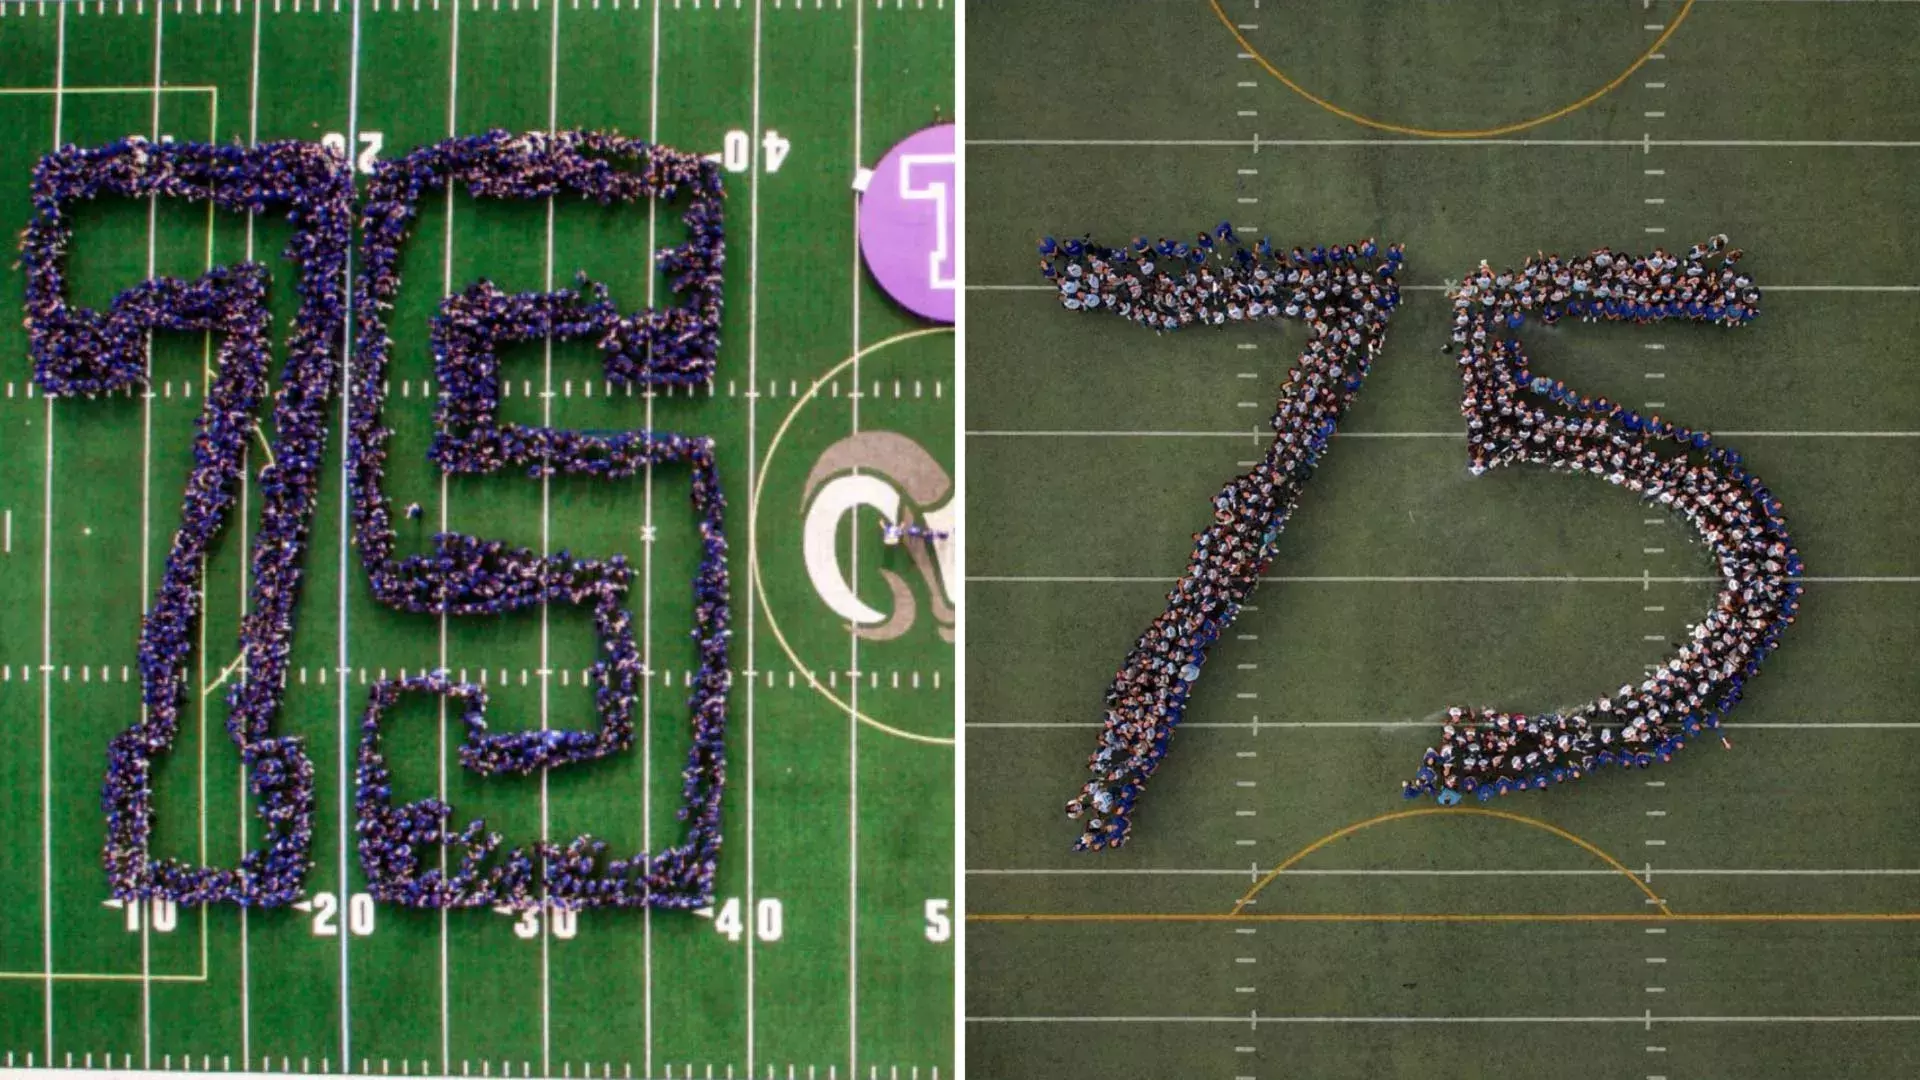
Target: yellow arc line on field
1470, 811
1440, 133
1663, 914
753, 543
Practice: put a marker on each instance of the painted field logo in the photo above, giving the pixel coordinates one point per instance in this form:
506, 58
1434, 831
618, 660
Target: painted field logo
856, 533
907, 223
891, 466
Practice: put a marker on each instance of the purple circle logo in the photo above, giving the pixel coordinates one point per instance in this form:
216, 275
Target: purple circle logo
907, 211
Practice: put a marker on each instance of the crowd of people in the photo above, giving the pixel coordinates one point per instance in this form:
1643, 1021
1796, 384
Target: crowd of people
80, 352
466, 575
1344, 295
891, 533
1486, 753
479, 873
1167, 284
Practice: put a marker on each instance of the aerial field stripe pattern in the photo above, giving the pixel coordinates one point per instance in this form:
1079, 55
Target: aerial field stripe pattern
1743, 911
806, 966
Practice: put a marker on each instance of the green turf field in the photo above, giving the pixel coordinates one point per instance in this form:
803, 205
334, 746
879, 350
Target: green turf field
1405, 585
839, 834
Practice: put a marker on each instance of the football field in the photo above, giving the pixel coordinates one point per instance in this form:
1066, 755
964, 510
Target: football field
827, 954
1749, 910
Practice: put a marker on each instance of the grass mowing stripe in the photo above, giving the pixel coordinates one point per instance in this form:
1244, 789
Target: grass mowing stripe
46, 617
753, 459
646, 570
345, 887
853, 561
446, 289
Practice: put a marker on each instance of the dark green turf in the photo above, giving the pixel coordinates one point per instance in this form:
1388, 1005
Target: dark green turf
555, 1006
1093, 446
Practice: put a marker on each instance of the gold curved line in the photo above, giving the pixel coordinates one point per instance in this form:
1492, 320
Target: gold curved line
753, 543
1471, 811
1439, 133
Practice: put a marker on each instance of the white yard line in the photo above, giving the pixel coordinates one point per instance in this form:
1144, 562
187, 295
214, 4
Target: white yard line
446, 289
853, 574
1606, 144
206, 385
1254, 1019
246, 570
46, 613
1513, 579
1258, 871
1443, 288
146, 524
1391, 725
646, 570
1243, 979
72, 91
346, 517
753, 451
1266, 435
546, 547
1654, 179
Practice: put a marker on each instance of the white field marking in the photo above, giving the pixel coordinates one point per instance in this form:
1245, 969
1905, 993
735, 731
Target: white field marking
246, 570
346, 424
1697, 144
754, 177
146, 515
446, 289
853, 568
1652, 230
546, 546
93, 976
1254, 1020
1460, 434
1431, 873
1387, 725
1513, 579
206, 376
69, 91
648, 534
1444, 288
46, 615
